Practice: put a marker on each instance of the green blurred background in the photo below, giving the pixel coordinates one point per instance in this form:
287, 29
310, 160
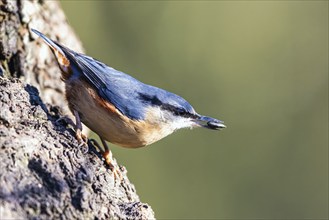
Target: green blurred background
261, 66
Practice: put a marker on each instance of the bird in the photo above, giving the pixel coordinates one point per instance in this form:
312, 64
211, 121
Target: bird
119, 108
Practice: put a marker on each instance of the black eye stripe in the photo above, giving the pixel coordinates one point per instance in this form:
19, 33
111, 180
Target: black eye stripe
168, 107
177, 111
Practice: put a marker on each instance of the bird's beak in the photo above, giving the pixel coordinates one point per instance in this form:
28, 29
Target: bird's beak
210, 123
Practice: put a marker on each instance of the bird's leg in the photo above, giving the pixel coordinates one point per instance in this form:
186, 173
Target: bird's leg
107, 154
78, 130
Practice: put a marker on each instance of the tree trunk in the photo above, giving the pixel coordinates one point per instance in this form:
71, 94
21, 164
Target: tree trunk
44, 173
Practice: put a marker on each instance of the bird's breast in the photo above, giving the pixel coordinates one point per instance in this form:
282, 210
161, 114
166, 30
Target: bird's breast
108, 122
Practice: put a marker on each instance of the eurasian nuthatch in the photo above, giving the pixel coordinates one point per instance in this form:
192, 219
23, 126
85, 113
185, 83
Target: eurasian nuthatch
118, 107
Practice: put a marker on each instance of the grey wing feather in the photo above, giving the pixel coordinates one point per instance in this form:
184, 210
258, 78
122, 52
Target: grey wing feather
129, 95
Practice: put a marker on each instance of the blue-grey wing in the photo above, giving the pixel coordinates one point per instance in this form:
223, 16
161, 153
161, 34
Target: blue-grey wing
127, 94
114, 86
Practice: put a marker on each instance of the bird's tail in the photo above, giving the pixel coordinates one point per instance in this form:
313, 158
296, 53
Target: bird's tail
62, 60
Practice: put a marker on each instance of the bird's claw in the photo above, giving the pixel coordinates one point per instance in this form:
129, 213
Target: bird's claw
82, 140
107, 155
115, 170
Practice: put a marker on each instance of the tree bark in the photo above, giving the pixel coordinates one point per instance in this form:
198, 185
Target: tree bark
44, 173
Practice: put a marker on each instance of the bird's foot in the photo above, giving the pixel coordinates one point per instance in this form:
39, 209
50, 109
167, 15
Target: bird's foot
107, 155
115, 169
82, 140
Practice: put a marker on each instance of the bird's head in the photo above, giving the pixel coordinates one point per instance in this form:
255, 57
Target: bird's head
174, 112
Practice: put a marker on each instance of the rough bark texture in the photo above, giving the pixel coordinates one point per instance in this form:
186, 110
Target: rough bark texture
44, 173
24, 56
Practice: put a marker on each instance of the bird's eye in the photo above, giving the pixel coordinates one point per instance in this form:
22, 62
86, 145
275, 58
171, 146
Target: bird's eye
180, 111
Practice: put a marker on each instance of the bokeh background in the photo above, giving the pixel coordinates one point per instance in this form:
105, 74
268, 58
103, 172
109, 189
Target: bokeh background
261, 66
